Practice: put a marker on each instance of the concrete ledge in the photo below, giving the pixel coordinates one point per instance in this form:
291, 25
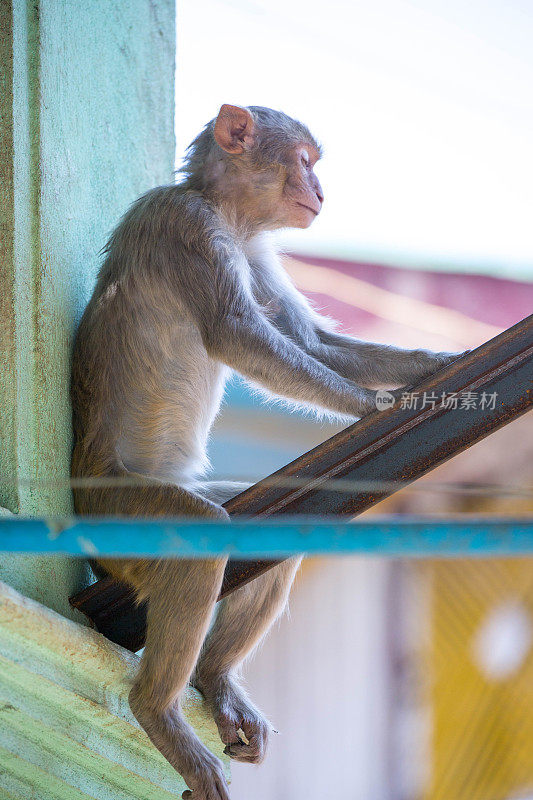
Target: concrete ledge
66, 730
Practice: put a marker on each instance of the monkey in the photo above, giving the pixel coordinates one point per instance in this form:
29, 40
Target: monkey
192, 289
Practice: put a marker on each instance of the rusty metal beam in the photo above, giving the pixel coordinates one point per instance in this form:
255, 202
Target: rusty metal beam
377, 456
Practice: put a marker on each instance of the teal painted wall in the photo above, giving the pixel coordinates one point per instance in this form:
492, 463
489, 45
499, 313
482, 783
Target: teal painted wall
87, 113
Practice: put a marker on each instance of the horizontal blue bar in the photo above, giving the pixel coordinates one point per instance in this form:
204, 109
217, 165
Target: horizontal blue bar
379, 536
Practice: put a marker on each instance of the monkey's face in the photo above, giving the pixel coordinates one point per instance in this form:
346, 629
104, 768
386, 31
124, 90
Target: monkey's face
282, 190
266, 168
302, 193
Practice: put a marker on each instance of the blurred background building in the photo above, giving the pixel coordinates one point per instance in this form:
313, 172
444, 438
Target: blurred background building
389, 680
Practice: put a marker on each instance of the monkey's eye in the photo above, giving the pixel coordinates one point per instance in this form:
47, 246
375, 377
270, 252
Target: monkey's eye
305, 158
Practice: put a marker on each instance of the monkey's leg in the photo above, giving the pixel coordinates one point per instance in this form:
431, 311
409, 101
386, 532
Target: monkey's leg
181, 598
243, 619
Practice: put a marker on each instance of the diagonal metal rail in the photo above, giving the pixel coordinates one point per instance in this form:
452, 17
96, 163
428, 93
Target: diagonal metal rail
454, 409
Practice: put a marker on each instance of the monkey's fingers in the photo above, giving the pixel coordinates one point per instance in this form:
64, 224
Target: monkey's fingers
449, 358
252, 752
242, 752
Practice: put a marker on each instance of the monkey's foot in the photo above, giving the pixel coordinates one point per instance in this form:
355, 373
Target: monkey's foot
175, 739
241, 726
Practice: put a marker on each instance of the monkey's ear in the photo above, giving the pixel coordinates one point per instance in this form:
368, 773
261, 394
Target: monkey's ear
234, 128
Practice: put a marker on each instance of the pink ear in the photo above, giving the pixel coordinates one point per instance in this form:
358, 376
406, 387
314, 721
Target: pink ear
234, 129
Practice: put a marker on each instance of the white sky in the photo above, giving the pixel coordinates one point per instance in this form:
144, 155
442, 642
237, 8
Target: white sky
424, 108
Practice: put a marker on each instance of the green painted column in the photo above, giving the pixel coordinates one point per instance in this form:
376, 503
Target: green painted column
87, 124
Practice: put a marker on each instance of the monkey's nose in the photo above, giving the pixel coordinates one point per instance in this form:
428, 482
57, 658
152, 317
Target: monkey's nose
320, 196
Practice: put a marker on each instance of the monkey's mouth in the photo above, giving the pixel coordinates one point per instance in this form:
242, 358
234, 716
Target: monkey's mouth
315, 212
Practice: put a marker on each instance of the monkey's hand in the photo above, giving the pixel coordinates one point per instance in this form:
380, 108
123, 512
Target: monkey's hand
425, 363
394, 397
241, 726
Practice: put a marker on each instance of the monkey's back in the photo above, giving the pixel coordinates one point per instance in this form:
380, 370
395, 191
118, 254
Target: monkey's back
144, 390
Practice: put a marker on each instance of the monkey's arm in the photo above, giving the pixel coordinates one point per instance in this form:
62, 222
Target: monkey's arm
212, 281
367, 363
249, 344
372, 364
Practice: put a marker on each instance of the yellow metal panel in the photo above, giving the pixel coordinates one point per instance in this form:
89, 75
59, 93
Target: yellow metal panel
481, 668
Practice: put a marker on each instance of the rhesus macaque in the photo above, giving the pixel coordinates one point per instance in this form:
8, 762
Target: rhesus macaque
191, 289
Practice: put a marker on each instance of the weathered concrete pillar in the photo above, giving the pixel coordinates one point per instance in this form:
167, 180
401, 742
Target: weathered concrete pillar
87, 115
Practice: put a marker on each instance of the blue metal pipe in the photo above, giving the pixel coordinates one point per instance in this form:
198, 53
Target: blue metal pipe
273, 538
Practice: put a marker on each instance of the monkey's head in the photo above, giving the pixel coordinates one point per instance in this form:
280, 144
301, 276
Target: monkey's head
257, 165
